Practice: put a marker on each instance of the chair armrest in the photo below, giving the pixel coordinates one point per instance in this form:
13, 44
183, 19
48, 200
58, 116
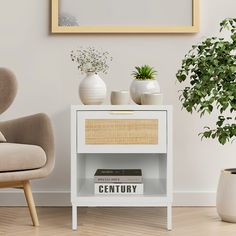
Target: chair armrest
35, 130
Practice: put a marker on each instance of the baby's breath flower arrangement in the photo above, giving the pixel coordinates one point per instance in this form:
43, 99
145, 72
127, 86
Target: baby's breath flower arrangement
91, 60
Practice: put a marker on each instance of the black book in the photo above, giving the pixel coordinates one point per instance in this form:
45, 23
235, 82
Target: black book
118, 176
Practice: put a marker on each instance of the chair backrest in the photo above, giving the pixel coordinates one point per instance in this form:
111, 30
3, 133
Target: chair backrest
8, 88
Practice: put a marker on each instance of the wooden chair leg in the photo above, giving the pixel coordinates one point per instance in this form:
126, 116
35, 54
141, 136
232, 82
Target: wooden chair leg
30, 202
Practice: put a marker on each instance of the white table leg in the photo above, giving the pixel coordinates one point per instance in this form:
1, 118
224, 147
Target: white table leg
169, 217
74, 217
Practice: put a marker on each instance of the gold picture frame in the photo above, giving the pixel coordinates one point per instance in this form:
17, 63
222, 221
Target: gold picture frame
55, 28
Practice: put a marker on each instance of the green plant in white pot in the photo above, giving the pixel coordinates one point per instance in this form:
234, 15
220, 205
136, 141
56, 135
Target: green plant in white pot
209, 69
144, 81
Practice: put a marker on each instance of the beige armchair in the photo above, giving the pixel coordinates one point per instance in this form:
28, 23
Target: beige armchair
29, 151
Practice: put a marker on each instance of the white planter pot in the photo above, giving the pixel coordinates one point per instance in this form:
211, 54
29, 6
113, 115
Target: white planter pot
152, 99
138, 87
226, 196
92, 90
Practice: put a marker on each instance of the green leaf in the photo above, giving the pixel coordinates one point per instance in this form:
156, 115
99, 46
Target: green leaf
144, 73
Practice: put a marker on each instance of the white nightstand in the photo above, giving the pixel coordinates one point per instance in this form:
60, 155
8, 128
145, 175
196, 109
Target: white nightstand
132, 136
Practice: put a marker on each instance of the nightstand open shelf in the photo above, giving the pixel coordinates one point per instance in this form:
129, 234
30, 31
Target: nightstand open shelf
91, 149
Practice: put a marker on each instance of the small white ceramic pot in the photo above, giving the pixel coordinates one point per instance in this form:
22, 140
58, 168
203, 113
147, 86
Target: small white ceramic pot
120, 97
152, 99
92, 90
138, 87
226, 196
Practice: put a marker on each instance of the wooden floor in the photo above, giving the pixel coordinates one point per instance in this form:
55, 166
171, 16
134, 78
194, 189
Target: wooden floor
188, 221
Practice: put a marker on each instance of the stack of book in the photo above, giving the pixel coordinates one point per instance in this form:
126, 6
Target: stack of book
118, 181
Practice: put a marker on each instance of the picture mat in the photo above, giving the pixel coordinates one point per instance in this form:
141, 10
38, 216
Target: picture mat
129, 12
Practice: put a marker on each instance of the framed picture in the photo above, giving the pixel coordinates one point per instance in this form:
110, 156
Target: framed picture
125, 16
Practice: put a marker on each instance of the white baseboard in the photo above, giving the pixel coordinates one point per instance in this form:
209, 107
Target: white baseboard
62, 198
41, 198
194, 198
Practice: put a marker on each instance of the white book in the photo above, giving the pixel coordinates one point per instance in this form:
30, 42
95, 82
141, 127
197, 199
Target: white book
118, 188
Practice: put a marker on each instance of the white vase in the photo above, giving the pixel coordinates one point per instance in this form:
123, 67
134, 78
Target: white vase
138, 87
92, 90
226, 196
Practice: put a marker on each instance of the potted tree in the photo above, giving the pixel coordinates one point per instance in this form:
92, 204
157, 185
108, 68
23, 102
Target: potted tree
144, 81
209, 69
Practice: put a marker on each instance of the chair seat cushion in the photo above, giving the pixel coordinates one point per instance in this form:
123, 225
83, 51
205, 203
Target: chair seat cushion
17, 157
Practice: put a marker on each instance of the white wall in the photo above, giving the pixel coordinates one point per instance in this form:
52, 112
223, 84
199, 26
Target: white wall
48, 83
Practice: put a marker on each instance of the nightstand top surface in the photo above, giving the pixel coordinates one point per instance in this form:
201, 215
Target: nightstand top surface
122, 107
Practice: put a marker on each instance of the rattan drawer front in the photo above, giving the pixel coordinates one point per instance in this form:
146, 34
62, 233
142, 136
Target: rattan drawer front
121, 131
